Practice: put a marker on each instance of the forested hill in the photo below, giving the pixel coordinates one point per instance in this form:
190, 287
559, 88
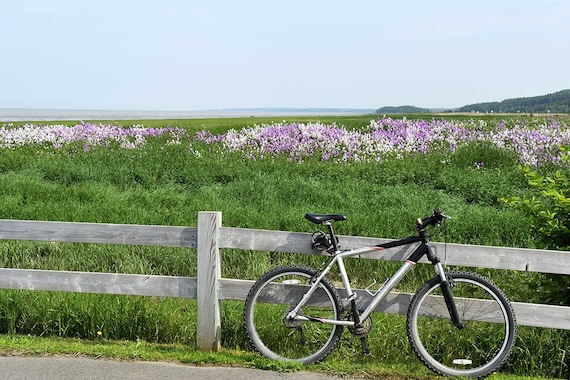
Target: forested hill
401, 109
558, 102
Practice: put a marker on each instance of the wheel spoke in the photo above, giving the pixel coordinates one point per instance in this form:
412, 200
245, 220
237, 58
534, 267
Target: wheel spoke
481, 346
276, 336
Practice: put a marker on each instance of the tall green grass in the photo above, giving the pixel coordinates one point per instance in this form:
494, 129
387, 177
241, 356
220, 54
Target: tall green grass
166, 185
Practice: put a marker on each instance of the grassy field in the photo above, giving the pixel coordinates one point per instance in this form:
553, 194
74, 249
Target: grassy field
167, 184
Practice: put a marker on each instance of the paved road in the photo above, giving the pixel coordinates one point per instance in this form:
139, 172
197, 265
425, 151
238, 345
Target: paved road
81, 368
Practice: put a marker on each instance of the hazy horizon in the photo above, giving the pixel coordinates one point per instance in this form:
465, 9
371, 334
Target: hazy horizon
179, 55
42, 114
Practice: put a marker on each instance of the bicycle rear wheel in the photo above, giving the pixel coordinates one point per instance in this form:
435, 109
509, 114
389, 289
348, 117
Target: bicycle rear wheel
270, 300
476, 350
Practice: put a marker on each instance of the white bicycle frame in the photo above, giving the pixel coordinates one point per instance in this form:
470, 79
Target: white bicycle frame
380, 294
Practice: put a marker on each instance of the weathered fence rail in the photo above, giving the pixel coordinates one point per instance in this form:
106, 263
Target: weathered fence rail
209, 288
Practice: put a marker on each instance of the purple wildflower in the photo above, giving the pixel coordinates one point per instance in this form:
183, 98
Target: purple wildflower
536, 142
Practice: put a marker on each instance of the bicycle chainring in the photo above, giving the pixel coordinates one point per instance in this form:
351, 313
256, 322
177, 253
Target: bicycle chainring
361, 331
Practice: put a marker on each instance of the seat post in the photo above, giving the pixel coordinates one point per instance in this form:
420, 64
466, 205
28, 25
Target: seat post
332, 235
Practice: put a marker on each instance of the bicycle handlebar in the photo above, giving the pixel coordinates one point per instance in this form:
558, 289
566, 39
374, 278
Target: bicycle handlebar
436, 218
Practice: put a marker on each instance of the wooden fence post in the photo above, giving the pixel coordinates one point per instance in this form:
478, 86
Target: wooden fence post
208, 334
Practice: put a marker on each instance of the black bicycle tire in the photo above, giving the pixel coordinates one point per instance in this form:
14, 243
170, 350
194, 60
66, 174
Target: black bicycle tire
251, 300
505, 307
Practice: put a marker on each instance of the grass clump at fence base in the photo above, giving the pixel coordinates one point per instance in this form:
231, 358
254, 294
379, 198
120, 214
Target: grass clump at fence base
166, 181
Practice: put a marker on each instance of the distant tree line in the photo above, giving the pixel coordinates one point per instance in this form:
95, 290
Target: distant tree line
558, 102
402, 109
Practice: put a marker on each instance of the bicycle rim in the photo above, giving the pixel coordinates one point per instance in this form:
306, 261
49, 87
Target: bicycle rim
476, 350
271, 299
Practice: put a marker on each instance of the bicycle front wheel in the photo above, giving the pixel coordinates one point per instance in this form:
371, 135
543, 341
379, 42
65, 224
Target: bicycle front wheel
269, 302
475, 350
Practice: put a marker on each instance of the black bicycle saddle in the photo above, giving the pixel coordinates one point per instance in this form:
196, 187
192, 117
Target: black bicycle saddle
321, 218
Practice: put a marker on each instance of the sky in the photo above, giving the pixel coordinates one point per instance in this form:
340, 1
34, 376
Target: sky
175, 55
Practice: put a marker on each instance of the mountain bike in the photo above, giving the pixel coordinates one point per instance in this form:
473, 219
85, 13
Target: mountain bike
458, 323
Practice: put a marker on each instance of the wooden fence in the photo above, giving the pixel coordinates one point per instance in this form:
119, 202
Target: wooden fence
209, 289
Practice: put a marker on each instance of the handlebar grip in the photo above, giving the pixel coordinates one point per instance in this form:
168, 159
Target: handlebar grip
436, 218
423, 223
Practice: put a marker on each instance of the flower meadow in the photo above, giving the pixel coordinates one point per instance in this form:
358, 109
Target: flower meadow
86, 134
535, 141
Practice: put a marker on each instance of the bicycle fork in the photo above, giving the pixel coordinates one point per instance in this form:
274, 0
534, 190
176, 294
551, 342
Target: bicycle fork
446, 284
